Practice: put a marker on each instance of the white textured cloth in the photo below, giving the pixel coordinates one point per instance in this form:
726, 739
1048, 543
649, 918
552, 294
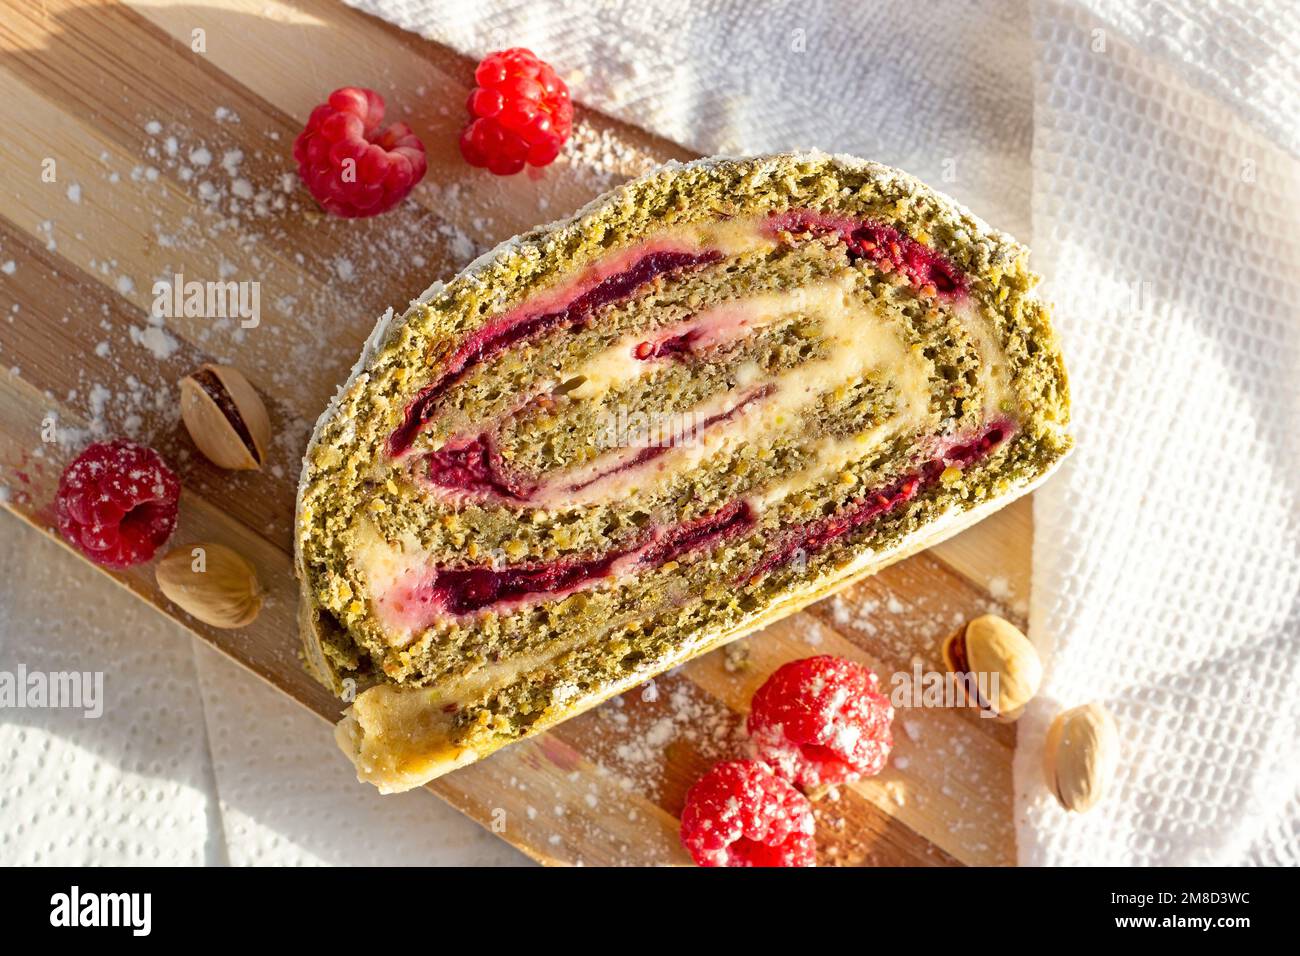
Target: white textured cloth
1167, 554
1147, 150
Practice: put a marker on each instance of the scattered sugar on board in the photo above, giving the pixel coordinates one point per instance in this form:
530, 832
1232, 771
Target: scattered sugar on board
629, 755
599, 159
246, 207
643, 726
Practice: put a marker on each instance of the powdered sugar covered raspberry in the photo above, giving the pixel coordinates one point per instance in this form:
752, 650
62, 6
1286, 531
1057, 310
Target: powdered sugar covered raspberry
742, 814
349, 166
821, 721
117, 502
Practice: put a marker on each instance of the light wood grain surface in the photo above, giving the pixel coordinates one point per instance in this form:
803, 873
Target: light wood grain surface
170, 160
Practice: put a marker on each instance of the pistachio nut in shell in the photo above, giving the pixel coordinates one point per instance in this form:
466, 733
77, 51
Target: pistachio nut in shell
226, 417
992, 648
1081, 756
211, 582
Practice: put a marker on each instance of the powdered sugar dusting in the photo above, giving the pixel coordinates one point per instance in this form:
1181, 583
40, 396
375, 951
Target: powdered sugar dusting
600, 160
241, 224
156, 339
642, 726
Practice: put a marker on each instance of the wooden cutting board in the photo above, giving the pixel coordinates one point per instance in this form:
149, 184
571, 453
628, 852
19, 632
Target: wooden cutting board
150, 138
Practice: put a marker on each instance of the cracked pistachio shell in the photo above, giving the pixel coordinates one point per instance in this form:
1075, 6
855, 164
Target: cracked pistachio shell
232, 428
990, 645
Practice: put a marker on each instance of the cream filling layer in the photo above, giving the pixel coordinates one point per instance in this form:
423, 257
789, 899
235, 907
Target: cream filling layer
858, 343
993, 372
385, 565
912, 413
714, 327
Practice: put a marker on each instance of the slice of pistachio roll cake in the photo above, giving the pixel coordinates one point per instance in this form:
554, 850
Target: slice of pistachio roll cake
713, 396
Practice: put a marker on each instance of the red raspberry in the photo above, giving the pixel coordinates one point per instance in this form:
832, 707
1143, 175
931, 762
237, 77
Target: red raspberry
820, 721
742, 814
117, 503
520, 112
350, 168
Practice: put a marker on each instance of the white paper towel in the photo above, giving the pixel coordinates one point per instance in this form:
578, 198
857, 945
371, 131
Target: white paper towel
131, 786
1151, 147
179, 769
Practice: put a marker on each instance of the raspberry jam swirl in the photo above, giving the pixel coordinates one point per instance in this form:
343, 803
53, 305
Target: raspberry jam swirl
572, 306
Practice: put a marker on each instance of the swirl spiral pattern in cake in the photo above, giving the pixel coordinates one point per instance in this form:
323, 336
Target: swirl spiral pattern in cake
713, 396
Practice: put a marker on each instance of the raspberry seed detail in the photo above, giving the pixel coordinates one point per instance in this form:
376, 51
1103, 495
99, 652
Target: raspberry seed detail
520, 113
